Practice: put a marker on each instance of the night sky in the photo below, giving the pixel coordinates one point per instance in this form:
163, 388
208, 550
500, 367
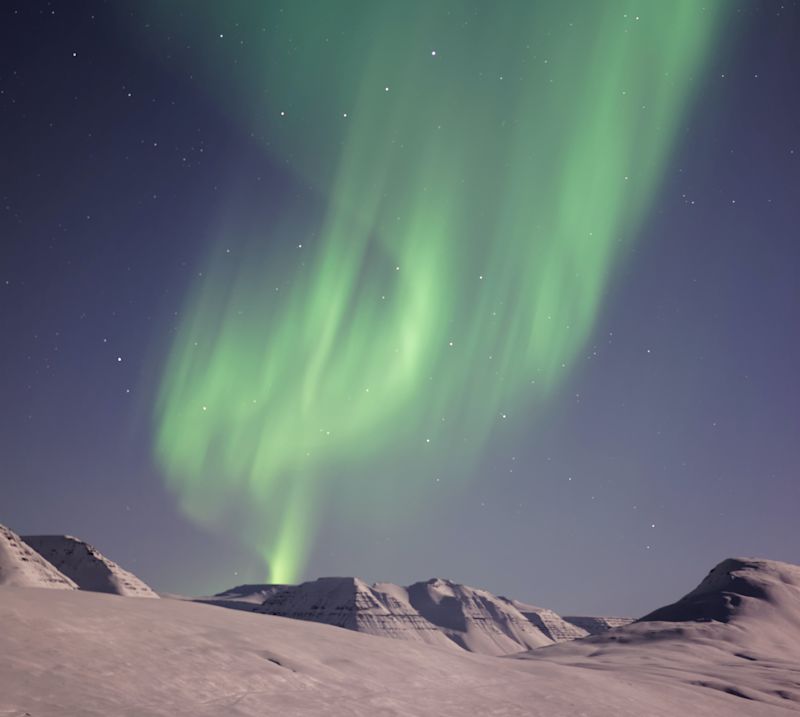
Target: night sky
501, 292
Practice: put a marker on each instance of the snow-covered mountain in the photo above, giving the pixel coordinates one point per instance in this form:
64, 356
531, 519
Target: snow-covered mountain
243, 597
87, 567
596, 625
20, 566
557, 628
475, 619
740, 591
437, 611
380, 609
71, 653
736, 634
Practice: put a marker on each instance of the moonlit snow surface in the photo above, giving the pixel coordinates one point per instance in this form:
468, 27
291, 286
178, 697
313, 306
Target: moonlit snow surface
71, 653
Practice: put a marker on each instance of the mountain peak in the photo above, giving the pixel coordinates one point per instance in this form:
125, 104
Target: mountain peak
20, 566
736, 588
87, 566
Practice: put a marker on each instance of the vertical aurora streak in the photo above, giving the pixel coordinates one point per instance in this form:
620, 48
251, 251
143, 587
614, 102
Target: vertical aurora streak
481, 174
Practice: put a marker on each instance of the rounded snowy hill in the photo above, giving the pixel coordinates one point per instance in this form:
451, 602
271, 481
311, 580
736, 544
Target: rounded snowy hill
738, 590
736, 633
21, 566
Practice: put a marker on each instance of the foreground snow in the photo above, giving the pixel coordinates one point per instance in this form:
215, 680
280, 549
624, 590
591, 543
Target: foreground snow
71, 653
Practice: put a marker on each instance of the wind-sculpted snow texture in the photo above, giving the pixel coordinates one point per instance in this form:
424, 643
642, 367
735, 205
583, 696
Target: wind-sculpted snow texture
22, 567
87, 566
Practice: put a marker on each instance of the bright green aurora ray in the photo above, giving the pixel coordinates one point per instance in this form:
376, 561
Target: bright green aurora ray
479, 174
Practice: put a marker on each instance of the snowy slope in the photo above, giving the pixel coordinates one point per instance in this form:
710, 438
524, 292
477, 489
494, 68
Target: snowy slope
22, 567
87, 566
242, 597
737, 634
557, 628
740, 590
75, 653
475, 619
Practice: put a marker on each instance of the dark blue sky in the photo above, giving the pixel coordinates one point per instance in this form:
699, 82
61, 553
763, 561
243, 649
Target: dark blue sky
676, 445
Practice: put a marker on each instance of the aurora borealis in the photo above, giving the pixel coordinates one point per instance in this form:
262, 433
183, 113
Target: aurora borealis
479, 179
582, 376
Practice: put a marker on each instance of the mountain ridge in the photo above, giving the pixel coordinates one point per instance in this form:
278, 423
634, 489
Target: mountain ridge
436, 611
